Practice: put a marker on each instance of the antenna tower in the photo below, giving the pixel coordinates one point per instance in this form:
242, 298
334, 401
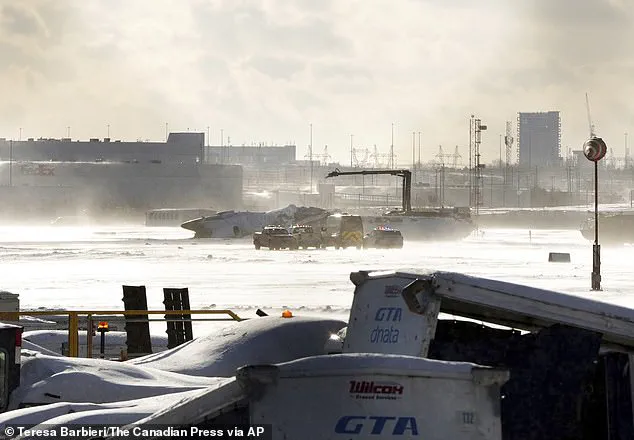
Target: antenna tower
476, 129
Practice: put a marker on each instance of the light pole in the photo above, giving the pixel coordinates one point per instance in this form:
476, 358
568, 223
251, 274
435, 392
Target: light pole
11, 162
311, 157
351, 150
594, 149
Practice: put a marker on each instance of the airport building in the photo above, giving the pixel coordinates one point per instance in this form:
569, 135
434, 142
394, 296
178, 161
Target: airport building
539, 139
57, 176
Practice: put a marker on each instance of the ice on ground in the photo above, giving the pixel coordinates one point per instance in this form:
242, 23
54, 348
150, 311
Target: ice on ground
265, 340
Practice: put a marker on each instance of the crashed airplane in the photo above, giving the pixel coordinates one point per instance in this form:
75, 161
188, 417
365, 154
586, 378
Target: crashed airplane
232, 224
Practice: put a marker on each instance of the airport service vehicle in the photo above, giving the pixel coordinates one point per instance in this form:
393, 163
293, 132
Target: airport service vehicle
274, 237
306, 236
383, 237
343, 231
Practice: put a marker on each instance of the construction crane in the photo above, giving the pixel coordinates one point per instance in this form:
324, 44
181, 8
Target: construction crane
405, 174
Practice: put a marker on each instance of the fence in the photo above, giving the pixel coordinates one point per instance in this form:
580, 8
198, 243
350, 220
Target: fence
73, 320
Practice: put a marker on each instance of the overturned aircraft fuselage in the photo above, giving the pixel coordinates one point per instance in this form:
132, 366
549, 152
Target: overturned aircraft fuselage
232, 224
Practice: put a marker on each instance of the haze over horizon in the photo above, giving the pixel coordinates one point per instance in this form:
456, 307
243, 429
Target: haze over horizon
264, 70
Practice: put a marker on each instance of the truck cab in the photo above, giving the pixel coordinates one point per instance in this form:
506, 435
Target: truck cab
383, 237
274, 237
306, 236
343, 230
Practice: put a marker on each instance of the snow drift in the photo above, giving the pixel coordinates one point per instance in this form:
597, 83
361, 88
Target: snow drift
80, 390
52, 379
267, 340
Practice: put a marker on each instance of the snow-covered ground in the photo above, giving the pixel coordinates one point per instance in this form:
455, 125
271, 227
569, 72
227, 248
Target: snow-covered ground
85, 267
60, 267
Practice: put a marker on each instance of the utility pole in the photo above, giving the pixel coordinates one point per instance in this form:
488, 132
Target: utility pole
11, 162
419, 164
392, 149
500, 154
414, 155
310, 154
166, 131
351, 150
627, 153
470, 161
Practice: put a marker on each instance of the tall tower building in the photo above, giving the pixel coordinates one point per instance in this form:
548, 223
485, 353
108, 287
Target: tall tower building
539, 139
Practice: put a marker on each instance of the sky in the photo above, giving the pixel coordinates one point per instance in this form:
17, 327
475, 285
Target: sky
263, 71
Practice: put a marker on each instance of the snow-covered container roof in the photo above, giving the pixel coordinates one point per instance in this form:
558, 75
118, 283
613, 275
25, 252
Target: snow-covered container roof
376, 363
264, 340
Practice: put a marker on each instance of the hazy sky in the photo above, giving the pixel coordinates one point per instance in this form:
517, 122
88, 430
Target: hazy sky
264, 70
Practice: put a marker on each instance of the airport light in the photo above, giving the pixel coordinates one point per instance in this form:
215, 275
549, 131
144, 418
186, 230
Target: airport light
594, 149
102, 328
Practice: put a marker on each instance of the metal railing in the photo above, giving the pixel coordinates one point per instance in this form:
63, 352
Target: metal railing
73, 320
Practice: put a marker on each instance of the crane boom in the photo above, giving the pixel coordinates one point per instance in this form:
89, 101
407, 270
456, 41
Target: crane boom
405, 174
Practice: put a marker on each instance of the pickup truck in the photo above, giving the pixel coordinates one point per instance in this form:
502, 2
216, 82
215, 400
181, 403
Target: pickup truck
274, 237
383, 237
306, 237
